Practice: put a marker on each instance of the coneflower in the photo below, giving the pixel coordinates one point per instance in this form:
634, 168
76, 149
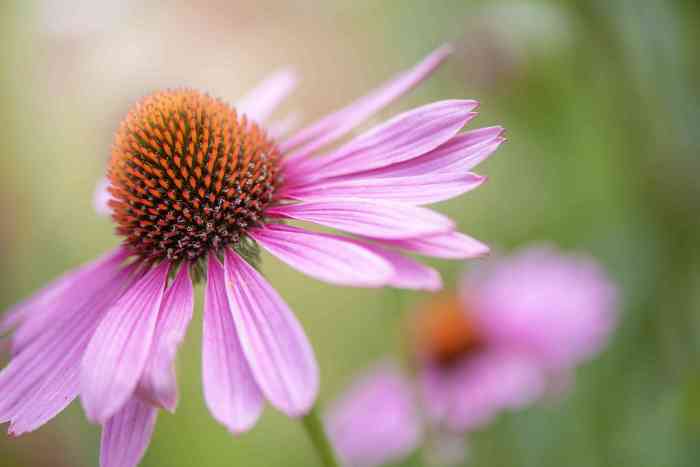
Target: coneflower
196, 187
514, 331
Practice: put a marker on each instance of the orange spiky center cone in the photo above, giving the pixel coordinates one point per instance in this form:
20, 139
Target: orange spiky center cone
188, 175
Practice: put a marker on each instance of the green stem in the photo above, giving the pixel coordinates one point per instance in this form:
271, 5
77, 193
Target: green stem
314, 428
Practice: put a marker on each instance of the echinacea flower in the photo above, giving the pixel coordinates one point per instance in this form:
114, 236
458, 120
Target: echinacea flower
195, 187
513, 332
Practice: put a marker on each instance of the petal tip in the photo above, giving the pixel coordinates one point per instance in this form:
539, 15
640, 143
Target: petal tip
169, 406
436, 283
482, 252
94, 415
447, 48
240, 427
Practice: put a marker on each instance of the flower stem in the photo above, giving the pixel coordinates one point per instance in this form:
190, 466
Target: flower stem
314, 428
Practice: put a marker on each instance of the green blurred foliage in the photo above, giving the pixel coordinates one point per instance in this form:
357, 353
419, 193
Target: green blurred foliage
601, 104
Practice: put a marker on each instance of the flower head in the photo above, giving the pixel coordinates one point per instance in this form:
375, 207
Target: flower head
189, 176
195, 187
514, 329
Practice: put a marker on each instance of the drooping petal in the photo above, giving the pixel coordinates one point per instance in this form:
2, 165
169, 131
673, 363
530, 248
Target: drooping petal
471, 394
262, 100
375, 421
43, 378
326, 257
272, 339
158, 384
451, 245
37, 304
559, 308
101, 197
127, 434
230, 390
117, 353
59, 301
435, 391
414, 190
402, 138
337, 124
407, 272
368, 218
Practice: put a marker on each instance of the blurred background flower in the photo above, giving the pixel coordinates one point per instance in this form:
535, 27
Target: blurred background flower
377, 419
514, 331
601, 105
512, 334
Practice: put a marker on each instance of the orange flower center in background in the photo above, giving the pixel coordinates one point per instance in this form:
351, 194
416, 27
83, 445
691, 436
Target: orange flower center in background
189, 175
444, 332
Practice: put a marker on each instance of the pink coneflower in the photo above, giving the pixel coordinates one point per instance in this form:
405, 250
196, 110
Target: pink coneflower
514, 331
195, 188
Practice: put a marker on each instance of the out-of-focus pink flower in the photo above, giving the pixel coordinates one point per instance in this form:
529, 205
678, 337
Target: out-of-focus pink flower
517, 329
514, 331
196, 188
376, 421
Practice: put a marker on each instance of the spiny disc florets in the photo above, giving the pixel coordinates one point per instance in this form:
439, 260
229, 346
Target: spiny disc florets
189, 175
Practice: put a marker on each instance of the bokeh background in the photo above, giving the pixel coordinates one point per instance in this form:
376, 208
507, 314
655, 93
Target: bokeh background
601, 102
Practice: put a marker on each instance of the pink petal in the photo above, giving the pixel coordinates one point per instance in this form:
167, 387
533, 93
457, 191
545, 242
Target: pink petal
436, 392
414, 190
452, 245
376, 421
369, 218
272, 339
337, 124
278, 129
230, 390
158, 384
262, 100
43, 379
402, 138
13, 317
35, 305
558, 308
326, 257
472, 394
458, 155
101, 197
118, 351
127, 434
408, 273
48, 307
